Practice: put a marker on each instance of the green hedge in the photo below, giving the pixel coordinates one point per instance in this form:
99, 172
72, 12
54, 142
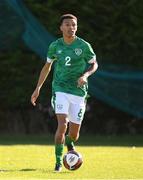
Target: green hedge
114, 28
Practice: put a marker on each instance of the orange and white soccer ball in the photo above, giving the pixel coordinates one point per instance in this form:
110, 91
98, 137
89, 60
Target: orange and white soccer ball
72, 160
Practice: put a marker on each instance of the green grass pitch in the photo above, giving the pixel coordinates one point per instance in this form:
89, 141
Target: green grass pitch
32, 158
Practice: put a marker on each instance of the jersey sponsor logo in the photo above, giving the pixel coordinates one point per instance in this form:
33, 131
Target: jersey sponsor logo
78, 51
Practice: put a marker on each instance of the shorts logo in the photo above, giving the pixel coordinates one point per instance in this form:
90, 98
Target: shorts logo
59, 106
78, 51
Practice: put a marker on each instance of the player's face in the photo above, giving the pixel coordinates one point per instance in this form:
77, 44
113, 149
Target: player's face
69, 27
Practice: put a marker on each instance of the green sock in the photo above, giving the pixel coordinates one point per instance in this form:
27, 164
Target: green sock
69, 141
59, 152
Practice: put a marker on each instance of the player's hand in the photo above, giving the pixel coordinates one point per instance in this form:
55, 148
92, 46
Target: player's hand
81, 81
34, 97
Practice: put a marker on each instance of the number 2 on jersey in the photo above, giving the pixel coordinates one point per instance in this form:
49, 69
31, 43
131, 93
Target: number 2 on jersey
68, 61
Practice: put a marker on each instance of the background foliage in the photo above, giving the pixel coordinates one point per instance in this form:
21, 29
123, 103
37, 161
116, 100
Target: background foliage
113, 27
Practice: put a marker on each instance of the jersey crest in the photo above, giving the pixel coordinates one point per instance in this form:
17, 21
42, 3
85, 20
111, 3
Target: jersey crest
78, 51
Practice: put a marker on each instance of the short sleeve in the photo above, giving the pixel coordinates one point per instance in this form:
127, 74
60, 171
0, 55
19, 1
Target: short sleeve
51, 55
90, 56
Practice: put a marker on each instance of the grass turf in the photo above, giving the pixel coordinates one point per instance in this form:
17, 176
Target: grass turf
32, 158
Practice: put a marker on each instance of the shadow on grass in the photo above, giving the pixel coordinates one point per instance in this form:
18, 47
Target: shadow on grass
13, 170
84, 140
31, 170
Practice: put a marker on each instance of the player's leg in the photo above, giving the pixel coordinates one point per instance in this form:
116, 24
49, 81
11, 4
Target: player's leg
61, 110
73, 135
60, 139
76, 114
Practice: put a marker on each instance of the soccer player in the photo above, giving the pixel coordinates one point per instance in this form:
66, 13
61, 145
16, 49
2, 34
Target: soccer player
74, 61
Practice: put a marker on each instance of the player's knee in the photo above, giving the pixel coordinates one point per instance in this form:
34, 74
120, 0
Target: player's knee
62, 128
60, 134
62, 124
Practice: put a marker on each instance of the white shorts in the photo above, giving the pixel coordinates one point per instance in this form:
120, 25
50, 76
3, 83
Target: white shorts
71, 105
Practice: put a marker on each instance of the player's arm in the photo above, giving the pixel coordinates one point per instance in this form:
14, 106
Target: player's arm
83, 79
43, 75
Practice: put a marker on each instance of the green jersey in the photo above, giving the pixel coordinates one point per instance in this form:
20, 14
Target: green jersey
70, 63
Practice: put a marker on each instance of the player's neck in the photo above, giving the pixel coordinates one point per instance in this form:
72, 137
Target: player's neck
69, 40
